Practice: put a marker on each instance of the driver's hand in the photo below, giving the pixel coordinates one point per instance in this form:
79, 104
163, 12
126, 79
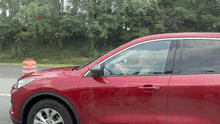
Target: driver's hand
123, 69
119, 65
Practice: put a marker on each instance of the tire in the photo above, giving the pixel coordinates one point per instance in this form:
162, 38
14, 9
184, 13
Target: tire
49, 111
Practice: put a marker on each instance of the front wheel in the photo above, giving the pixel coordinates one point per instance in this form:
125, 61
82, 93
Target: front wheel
49, 111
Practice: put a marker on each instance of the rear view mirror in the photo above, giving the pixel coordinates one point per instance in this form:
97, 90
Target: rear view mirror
96, 71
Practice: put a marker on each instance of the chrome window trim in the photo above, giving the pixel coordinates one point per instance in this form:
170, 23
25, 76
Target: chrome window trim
149, 42
199, 38
86, 73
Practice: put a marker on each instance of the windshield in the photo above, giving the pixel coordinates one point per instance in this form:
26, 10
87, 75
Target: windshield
94, 60
80, 67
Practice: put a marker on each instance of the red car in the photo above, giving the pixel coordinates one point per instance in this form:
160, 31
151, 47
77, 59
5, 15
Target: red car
166, 78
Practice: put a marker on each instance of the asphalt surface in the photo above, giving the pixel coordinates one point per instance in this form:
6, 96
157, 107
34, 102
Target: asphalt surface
4, 108
8, 76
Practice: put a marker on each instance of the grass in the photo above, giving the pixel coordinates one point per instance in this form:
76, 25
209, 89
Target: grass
51, 55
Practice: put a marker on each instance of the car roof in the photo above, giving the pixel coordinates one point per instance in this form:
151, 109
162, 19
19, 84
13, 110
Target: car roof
177, 35
183, 35
163, 36
190, 34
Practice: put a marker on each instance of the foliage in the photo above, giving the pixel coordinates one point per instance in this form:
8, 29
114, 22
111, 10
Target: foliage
101, 23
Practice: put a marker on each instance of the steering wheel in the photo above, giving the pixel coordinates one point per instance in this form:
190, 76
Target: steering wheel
111, 66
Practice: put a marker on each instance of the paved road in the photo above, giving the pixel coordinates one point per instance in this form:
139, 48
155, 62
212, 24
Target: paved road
8, 76
4, 107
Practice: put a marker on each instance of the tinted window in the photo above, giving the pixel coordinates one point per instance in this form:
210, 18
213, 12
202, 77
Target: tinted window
147, 58
200, 56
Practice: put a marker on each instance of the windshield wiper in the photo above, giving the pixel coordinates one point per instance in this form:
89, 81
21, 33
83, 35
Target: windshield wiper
209, 71
78, 68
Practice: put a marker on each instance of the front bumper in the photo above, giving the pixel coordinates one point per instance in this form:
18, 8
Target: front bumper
17, 99
11, 116
16, 122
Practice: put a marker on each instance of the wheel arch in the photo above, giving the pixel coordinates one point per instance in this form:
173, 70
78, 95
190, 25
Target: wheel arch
30, 101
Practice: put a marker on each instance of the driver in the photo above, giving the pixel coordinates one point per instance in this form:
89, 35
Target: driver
143, 62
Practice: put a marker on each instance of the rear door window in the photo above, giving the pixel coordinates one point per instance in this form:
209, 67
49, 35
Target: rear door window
200, 56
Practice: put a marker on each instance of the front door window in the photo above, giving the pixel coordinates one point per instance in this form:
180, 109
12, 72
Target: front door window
143, 59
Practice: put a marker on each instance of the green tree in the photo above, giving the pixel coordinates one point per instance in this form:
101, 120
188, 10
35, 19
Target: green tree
9, 26
9, 32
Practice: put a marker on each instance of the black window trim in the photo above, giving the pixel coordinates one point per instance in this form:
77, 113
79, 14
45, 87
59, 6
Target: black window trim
178, 57
173, 41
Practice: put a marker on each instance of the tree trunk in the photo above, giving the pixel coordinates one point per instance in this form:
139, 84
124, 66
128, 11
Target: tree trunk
0, 45
18, 46
92, 43
61, 26
50, 39
104, 42
18, 49
61, 42
12, 46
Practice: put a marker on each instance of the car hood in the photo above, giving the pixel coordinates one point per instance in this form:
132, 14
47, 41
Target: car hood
49, 72
69, 68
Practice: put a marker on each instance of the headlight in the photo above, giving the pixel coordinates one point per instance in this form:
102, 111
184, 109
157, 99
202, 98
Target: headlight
23, 82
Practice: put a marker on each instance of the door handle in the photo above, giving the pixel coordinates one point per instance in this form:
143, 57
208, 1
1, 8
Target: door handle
149, 88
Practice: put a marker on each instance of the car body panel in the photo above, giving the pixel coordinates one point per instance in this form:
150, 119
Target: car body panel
101, 99
194, 99
18, 97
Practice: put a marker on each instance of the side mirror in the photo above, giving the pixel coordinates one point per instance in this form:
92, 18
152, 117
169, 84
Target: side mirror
96, 71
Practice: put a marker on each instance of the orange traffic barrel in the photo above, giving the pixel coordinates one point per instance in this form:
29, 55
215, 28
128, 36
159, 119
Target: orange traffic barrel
29, 65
